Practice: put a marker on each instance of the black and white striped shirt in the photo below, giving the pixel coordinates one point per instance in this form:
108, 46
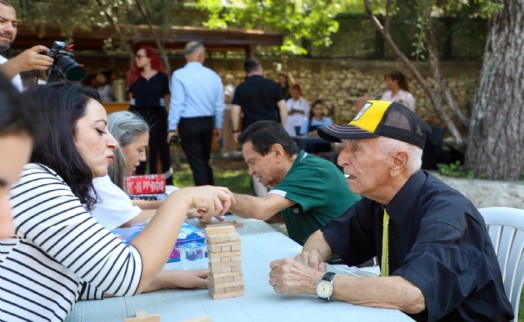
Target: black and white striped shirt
59, 254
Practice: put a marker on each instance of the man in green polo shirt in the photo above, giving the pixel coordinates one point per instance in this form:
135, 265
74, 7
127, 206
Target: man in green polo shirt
307, 190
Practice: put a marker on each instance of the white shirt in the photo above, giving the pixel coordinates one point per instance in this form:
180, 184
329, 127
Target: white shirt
114, 207
17, 80
402, 97
296, 119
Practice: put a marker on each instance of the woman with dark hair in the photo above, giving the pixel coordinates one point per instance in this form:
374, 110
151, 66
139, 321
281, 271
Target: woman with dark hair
60, 253
398, 89
283, 81
149, 95
17, 131
309, 127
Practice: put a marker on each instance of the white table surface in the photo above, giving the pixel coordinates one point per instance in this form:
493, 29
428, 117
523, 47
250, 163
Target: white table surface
260, 245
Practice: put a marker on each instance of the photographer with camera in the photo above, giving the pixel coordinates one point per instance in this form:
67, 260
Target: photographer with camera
27, 60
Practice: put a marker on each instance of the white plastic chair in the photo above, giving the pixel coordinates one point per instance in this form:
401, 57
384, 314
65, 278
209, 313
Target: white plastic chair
506, 230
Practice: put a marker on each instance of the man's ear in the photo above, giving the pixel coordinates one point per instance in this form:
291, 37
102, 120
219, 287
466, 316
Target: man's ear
277, 149
400, 161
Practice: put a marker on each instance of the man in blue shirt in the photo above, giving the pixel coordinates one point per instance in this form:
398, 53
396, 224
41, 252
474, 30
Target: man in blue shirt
196, 111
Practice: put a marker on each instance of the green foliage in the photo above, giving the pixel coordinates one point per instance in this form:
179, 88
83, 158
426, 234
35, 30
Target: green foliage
312, 21
454, 170
227, 174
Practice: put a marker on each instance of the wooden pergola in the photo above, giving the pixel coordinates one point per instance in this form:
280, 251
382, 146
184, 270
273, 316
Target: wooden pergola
172, 38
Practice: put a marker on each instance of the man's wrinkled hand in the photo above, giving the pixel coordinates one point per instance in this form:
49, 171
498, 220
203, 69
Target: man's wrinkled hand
312, 259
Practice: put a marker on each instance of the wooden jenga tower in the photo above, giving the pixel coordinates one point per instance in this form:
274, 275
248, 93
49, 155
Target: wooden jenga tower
225, 266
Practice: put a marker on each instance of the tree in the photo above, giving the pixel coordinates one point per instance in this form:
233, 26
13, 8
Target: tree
85, 14
300, 21
427, 35
496, 134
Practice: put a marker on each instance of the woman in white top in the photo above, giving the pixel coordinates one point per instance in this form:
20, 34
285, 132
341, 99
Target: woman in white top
60, 253
398, 89
298, 109
17, 130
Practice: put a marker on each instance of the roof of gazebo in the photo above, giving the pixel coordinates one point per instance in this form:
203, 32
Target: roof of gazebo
172, 38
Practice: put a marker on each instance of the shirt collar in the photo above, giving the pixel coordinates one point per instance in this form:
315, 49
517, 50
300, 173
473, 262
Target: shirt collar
400, 208
194, 63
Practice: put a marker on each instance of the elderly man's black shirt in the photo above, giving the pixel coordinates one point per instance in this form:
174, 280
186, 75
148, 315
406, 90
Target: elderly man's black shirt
438, 242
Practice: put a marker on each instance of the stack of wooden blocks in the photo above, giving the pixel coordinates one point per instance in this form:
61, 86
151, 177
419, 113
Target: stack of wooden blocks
225, 266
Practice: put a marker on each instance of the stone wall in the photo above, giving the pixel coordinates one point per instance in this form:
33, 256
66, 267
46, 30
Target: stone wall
486, 193
342, 81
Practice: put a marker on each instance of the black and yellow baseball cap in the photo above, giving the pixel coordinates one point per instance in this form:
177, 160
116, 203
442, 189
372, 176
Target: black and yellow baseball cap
381, 118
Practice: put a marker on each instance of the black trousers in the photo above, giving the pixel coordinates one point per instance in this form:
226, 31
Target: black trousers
196, 135
156, 117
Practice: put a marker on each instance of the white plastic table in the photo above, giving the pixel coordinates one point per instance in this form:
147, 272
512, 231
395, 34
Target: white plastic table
260, 245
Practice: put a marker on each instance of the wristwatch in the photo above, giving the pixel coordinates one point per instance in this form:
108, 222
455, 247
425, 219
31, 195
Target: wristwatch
325, 286
235, 131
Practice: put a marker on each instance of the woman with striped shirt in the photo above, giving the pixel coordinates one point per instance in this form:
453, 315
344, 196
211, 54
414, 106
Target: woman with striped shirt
16, 138
60, 253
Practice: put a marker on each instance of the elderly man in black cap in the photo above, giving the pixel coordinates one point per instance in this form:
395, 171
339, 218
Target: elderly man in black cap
437, 260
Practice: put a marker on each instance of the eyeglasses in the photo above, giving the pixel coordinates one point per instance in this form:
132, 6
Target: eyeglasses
140, 56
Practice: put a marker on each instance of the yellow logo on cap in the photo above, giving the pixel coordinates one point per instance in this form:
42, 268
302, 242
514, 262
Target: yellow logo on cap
370, 116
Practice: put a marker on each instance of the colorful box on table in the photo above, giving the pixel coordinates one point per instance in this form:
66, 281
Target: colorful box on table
147, 184
191, 240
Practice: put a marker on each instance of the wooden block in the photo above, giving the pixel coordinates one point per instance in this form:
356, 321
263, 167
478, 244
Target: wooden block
202, 318
235, 275
223, 254
222, 238
142, 316
226, 264
235, 247
219, 229
227, 295
223, 247
234, 223
227, 285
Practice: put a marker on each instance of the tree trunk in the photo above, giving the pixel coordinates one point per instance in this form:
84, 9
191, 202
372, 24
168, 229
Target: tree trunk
496, 125
434, 95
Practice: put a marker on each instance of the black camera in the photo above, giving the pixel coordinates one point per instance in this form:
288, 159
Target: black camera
64, 64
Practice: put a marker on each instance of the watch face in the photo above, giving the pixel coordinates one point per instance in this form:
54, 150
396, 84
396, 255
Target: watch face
324, 289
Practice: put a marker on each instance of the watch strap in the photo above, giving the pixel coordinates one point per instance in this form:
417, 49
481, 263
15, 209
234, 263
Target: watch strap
328, 276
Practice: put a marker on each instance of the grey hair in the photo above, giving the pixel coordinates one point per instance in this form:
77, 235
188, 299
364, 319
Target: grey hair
414, 152
125, 127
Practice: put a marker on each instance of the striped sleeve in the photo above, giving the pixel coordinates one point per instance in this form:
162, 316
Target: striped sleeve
61, 249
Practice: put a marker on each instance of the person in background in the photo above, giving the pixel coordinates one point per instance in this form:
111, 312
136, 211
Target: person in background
27, 60
149, 93
309, 127
398, 91
283, 81
114, 207
18, 129
60, 253
197, 111
437, 259
306, 190
257, 99
104, 87
297, 110
230, 146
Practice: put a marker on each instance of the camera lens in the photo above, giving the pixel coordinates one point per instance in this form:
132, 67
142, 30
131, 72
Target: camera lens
71, 70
